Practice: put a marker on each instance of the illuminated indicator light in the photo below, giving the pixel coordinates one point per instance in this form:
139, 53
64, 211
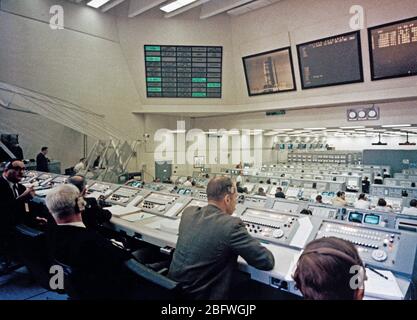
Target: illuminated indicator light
150, 59
199, 79
199, 94
214, 85
152, 48
154, 79
154, 89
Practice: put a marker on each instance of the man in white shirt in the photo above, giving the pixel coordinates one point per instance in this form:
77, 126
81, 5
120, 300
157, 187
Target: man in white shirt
412, 209
189, 182
239, 178
362, 202
80, 166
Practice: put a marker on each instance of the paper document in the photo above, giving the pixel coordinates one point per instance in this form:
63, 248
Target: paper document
379, 287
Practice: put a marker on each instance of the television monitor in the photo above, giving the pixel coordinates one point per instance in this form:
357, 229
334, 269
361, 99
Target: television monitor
392, 49
355, 217
331, 61
269, 72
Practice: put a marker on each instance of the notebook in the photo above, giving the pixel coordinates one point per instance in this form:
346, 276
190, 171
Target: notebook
381, 288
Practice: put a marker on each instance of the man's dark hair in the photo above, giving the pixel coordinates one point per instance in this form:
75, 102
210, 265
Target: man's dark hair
361, 196
382, 202
323, 270
413, 203
339, 193
319, 197
78, 181
44, 148
279, 189
218, 188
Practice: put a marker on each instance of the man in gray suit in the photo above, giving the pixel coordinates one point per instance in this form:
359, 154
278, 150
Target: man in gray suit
209, 242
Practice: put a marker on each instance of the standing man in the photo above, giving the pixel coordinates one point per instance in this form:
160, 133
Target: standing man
209, 243
42, 160
365, 185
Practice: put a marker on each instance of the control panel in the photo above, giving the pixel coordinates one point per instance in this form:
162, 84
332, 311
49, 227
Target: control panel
167, 205
200, 195
284, 206
368, 217
323, 211
253, 201
293, 193
384, 248
99, 189
29, 177
271, 226
44, 178
135, 184
58, 180
122, 196
184, 191
394, 203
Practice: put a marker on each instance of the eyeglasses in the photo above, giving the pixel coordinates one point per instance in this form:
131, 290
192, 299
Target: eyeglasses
18, 168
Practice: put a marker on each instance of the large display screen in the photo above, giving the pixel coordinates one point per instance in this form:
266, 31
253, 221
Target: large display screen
183, 71
331, 61
269, 72
393, 49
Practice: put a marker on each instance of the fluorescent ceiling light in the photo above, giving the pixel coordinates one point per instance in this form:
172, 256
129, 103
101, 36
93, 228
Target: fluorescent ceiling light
283, 129
97, 3
176, 5
396, 125
353, 127
315, 128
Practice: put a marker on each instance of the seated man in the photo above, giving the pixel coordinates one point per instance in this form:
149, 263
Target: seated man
239, 188
279, 193
319, 199
97, 263
340, 200
362, 202
412, 209
93, 215
261, 192
382, 206
209, 242
324, 271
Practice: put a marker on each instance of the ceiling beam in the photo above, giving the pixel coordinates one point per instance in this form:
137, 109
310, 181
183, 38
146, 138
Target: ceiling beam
186, 8
215, 7
111, 5
137, 7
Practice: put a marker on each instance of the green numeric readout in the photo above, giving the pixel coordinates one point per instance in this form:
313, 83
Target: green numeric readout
183, 71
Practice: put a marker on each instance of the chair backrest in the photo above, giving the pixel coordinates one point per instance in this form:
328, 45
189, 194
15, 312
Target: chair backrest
157, 286
33, 250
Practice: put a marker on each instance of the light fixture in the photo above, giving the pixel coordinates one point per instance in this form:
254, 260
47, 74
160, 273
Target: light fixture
176, 5
407, 143
396, 125
97, 3
379, 143
315, 128
283, 129
353, 127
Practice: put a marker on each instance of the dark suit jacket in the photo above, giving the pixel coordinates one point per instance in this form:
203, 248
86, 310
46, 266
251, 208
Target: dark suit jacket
280, 195
97, 264
42, 163
12, 211
206, 254
94, 215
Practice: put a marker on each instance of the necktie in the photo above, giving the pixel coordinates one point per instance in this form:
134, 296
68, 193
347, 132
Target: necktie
15, 190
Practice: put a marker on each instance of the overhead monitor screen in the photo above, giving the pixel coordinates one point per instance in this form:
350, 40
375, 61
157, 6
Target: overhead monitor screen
331, 61
393, 49
269, 72
183, 71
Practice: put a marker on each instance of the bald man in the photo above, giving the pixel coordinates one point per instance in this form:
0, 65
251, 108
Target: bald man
209, 243
14, 207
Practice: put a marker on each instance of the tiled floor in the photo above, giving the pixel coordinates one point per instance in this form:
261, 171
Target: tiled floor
18, 285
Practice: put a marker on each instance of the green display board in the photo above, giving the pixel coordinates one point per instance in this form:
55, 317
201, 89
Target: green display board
183, 71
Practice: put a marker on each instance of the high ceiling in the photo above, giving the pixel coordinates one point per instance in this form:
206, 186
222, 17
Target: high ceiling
208, 8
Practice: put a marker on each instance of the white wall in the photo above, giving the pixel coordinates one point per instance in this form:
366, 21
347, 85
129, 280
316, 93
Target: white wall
43, 132
297, 21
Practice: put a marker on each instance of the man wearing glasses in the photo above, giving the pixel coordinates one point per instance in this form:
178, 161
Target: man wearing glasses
209, 243
14, 198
